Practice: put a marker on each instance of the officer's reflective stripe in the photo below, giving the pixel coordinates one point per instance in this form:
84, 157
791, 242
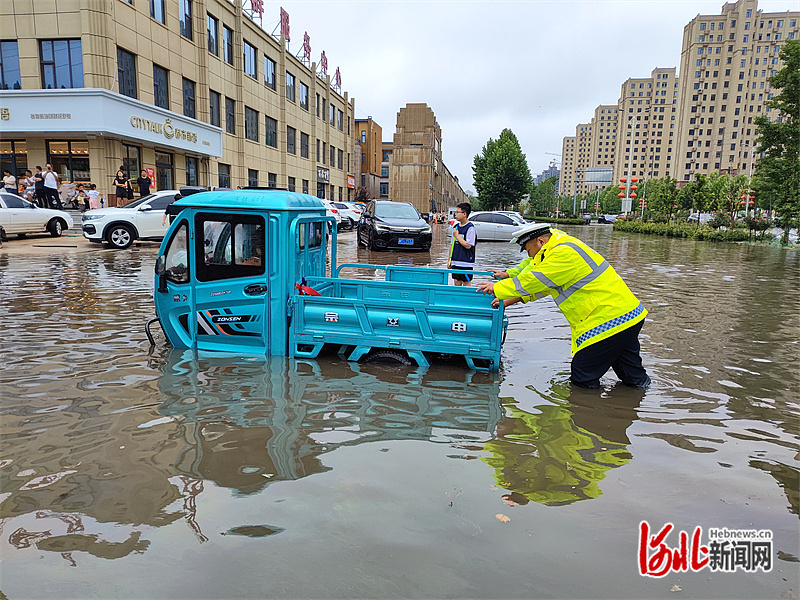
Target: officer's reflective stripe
615, 322
597, 270
541, 277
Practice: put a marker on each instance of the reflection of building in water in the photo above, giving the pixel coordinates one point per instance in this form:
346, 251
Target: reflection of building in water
557, 456
244, 432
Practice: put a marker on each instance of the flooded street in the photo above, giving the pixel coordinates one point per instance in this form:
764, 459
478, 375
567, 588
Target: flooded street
138, 472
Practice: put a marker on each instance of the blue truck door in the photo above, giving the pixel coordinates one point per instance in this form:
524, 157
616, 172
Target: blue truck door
231, 284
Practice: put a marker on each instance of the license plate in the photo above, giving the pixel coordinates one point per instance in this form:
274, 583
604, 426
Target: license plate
408, 241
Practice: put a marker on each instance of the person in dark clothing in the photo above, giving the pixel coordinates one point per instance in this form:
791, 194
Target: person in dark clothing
122, 184
38, 188
144, 183
462, 248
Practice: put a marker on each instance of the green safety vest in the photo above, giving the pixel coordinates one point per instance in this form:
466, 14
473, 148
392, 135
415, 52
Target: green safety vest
593, 298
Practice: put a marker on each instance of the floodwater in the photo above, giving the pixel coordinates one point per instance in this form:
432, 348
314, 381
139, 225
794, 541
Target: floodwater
131, 472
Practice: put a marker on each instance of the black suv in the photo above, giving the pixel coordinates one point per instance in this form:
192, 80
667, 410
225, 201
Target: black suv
386, 225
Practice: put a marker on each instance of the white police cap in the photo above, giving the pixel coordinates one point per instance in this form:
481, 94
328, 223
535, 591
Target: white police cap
524, 234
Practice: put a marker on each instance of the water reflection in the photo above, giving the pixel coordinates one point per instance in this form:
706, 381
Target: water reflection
249, 423
557, 453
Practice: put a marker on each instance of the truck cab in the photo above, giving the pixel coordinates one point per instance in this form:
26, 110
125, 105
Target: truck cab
229, 263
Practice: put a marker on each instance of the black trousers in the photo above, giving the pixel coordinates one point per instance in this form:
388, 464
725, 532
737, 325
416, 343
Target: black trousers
619, 352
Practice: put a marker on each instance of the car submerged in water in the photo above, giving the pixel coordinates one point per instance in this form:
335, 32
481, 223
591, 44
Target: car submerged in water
388, 225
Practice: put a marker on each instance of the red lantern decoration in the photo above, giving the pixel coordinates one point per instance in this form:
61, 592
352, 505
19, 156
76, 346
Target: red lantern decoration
622, 187
633, 194
634, 179
751, 202
634, 187
621, 195
623, 179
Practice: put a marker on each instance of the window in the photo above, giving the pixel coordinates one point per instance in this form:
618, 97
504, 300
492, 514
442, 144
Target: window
62, 64
384, 190
230, 115
126, 72
339, 120
303, 144
250, 124
157, 10
227, 44
249, 60
211, 28
252, 178
177, 256
333, 156
303, 95
188, 98
10, 75
271, 132
191, 170
339, 158
230, 246
290, 140
292, 185
363, 137
385, 170
333, 115
70, 159
386, 155
289, 86
213, 106
224, 175
185, 18
160, 86
272, 180
305, 186
269, 72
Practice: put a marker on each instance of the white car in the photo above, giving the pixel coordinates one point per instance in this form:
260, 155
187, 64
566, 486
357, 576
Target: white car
140, 219
20, 217
332, 211
495, 225
350, 213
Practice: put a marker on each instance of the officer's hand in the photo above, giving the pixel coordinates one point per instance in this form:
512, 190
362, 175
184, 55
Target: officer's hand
496, 303
498, 274
487, 287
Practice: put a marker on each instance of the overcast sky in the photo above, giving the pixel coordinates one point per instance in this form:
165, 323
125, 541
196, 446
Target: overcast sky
536, 67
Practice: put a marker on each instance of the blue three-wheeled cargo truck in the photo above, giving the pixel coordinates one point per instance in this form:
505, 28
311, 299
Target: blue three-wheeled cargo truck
245, 271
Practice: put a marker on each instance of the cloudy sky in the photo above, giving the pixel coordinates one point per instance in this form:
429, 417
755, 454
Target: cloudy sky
538, 67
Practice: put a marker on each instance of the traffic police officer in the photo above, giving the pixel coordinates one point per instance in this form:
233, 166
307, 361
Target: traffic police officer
604, 316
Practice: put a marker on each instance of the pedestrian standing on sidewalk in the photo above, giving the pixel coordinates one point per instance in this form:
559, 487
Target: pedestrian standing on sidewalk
10, 182
38, 188
462, 248
51, 188
144, 183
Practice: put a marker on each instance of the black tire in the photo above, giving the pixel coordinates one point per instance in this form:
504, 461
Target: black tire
21, 235
120, 236
359, 243
370, 243
56, 227
388, 356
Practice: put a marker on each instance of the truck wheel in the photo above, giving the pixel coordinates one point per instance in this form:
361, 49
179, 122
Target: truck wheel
119, 237
388, 356
56, 227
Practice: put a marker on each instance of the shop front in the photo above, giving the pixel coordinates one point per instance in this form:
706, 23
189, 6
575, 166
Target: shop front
95, 132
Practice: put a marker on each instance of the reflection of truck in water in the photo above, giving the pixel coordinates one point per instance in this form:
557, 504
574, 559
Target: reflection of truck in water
245, 271
250, 422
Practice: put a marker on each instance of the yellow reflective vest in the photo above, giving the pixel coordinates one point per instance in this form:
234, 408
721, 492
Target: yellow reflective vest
593, 298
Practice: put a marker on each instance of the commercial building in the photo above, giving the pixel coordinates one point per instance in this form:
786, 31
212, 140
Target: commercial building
195, 92
416, 171
369, 156
568, 162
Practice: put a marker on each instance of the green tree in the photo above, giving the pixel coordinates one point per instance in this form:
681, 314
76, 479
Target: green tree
501, 173
543, 196
777, 174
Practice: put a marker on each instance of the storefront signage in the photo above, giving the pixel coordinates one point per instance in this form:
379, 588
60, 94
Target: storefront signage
323, 175
166, 128
351, 182
98, 113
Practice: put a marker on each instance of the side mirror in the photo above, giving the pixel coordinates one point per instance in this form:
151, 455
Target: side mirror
146, 208
161, 265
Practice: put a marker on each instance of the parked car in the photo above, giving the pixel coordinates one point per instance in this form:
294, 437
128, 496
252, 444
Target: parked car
495, 226
20, 217
702, 217
119, 227
332, 211
606, 218
393, 225
514, 215
350, 213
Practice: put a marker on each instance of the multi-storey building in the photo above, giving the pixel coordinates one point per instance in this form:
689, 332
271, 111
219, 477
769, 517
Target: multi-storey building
568, 161
416, 171
647, 126
196, 92
551, 171
386, 157
369, 155
726, 63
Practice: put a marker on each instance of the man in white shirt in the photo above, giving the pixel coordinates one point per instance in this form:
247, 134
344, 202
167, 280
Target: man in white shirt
51, 188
